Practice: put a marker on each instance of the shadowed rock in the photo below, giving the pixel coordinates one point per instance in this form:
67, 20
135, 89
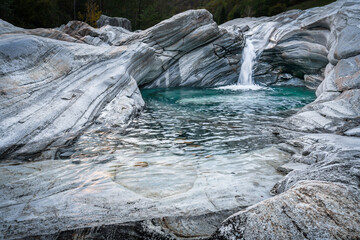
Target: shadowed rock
114, 21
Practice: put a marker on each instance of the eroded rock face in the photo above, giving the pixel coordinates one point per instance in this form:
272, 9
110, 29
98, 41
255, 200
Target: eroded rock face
51, 90
54, 83
301, 43
309, 210
292, 43
337, 107
193, 50
114, 21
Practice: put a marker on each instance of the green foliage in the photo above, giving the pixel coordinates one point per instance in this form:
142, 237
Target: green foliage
141, 13
35, 13
220, 15
309, 4
5, 8
93, 13
150, 15
235, 12
278, 8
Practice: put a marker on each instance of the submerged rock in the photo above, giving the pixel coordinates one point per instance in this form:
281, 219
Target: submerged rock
102, 193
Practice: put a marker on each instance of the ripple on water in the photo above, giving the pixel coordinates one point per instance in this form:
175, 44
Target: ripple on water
186, 133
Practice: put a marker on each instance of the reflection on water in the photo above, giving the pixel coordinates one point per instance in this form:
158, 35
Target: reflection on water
198, 122
185, 133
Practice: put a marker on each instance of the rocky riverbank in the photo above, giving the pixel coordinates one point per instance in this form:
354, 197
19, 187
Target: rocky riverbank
57, 83
52, 80
320, 200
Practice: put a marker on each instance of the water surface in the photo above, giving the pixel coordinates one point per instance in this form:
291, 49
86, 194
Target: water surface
183, 133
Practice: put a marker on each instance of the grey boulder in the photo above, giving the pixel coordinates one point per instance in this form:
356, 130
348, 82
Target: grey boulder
309, 210
114, 21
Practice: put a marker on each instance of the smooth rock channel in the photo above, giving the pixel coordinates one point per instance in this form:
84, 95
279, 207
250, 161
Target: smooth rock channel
83, 156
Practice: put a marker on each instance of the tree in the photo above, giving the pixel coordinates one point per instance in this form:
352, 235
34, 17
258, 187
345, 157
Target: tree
220, 15
5, 8
92, 13
278, 8
142, 13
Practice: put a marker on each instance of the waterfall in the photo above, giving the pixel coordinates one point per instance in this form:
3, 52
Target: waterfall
248, 56
256, 40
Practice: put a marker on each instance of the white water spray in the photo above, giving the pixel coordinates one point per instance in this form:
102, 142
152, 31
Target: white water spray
248, 56
256, 40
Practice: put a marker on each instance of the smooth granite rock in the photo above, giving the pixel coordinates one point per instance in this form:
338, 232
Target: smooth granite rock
320, 200
192, 56
6, 27
302, 43
313, 81
348, 43
337, 107
294, 42
53, 89
309, 210
289, 167
97, 194
84, 33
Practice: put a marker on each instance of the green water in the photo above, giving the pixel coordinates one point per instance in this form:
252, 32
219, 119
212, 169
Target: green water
215, 121
187, 141
201, 122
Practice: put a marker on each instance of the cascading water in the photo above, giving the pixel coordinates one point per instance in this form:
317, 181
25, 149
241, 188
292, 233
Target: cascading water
256, 40
245, 80
248, 56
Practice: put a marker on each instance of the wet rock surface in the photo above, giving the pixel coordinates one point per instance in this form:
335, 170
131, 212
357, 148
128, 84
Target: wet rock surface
52, 196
